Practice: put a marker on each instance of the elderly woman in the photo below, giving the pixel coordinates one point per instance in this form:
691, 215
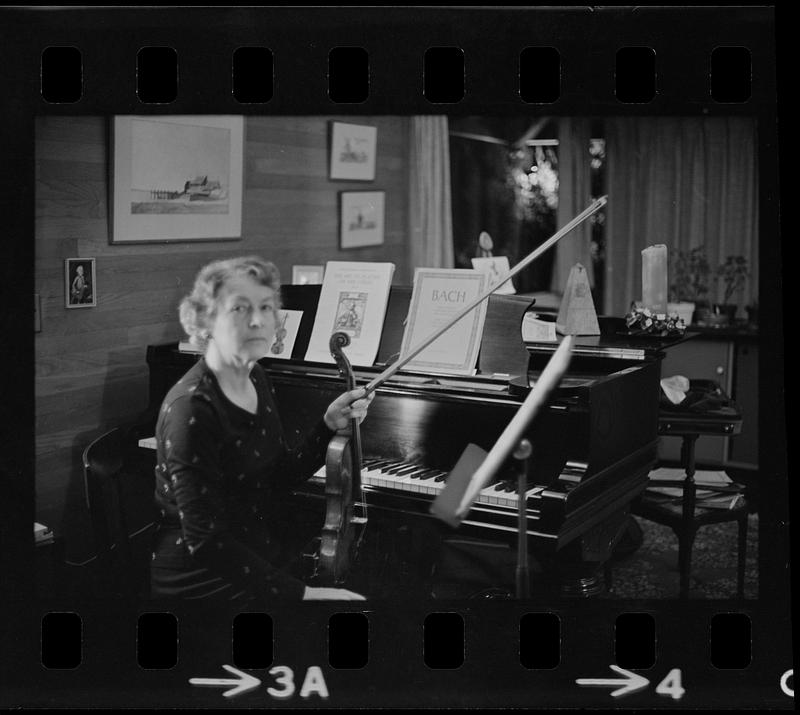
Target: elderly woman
222, 452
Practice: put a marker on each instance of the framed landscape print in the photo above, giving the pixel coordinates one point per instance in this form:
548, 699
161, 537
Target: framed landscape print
176, 178
361, 218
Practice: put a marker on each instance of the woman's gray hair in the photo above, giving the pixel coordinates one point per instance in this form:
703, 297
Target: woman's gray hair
198, 309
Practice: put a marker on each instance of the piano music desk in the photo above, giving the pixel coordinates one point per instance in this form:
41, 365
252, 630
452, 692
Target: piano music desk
690, 516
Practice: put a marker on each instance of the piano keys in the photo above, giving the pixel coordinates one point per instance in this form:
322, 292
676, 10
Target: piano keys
592, 447
412, 478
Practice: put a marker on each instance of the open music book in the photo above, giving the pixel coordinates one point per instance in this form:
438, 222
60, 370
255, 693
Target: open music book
353, 300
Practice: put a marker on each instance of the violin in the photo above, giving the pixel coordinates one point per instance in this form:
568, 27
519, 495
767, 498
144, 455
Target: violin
342, 484
280, 336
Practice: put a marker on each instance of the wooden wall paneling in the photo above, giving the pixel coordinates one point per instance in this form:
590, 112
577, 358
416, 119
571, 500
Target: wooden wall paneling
52, 171
90, 403
47, 344
59, 237
66, 365
72, 130
89, 151
71, 199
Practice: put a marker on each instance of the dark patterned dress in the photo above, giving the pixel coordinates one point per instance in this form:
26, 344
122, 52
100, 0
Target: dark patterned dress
218, 469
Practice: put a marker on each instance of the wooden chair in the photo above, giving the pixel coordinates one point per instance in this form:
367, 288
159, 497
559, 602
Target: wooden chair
119, 496
686, 515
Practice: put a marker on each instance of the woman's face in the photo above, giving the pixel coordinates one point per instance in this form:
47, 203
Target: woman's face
244, 325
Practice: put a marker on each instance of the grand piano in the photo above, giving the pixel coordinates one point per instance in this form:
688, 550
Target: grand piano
592, 447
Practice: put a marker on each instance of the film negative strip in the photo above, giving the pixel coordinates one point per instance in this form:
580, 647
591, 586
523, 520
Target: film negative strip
69, 73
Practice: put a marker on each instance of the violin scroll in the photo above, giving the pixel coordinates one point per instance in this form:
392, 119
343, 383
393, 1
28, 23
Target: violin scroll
338, 340
336, 344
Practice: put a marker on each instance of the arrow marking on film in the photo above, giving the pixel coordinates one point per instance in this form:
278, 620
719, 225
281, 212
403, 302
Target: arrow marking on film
630, 683
241, 684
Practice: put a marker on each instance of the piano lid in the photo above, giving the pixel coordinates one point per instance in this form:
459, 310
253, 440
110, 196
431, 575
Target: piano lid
613, 342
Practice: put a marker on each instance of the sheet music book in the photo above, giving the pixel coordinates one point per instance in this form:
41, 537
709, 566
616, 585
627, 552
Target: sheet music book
706, 477
704, 499
713, 489
285, 334
353, 300
438, 295
495, 267
536, 329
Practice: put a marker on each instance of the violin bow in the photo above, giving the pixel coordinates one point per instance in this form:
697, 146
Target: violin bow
394, 367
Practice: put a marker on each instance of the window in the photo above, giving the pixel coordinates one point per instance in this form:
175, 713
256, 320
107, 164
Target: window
504, 179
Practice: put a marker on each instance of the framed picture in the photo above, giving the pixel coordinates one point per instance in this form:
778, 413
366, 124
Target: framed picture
176, 178
495, 267
353, 151
302, 275
80, 283
361, 219
285, 334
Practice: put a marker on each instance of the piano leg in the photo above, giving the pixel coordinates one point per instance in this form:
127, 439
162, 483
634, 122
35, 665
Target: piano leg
582, 568
478, 568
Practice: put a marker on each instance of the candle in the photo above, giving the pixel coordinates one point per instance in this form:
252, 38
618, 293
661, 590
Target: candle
654, 278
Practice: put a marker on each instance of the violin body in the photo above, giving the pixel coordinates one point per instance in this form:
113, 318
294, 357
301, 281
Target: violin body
337, 537
342, 484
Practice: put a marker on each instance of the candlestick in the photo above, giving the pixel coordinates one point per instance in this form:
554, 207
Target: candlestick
654, 278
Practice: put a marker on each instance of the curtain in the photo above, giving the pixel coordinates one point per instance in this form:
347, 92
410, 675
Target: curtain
574, 195
430, 213
683, 182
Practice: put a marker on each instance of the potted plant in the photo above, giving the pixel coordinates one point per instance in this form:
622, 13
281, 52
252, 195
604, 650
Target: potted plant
689, 286
732, 273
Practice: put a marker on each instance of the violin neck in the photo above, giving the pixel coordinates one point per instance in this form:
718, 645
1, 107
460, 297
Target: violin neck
355, 444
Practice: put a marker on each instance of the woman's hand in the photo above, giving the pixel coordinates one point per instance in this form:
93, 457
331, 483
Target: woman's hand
331, 594
349, 405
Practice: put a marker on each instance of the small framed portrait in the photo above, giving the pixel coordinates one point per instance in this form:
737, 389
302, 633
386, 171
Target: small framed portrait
361, 219
80, 283
353, 149
304, 275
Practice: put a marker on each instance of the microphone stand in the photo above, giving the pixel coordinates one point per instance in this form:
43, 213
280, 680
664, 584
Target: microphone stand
522, 454
512, 440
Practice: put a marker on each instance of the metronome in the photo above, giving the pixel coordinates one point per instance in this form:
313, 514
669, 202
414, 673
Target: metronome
576, 315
